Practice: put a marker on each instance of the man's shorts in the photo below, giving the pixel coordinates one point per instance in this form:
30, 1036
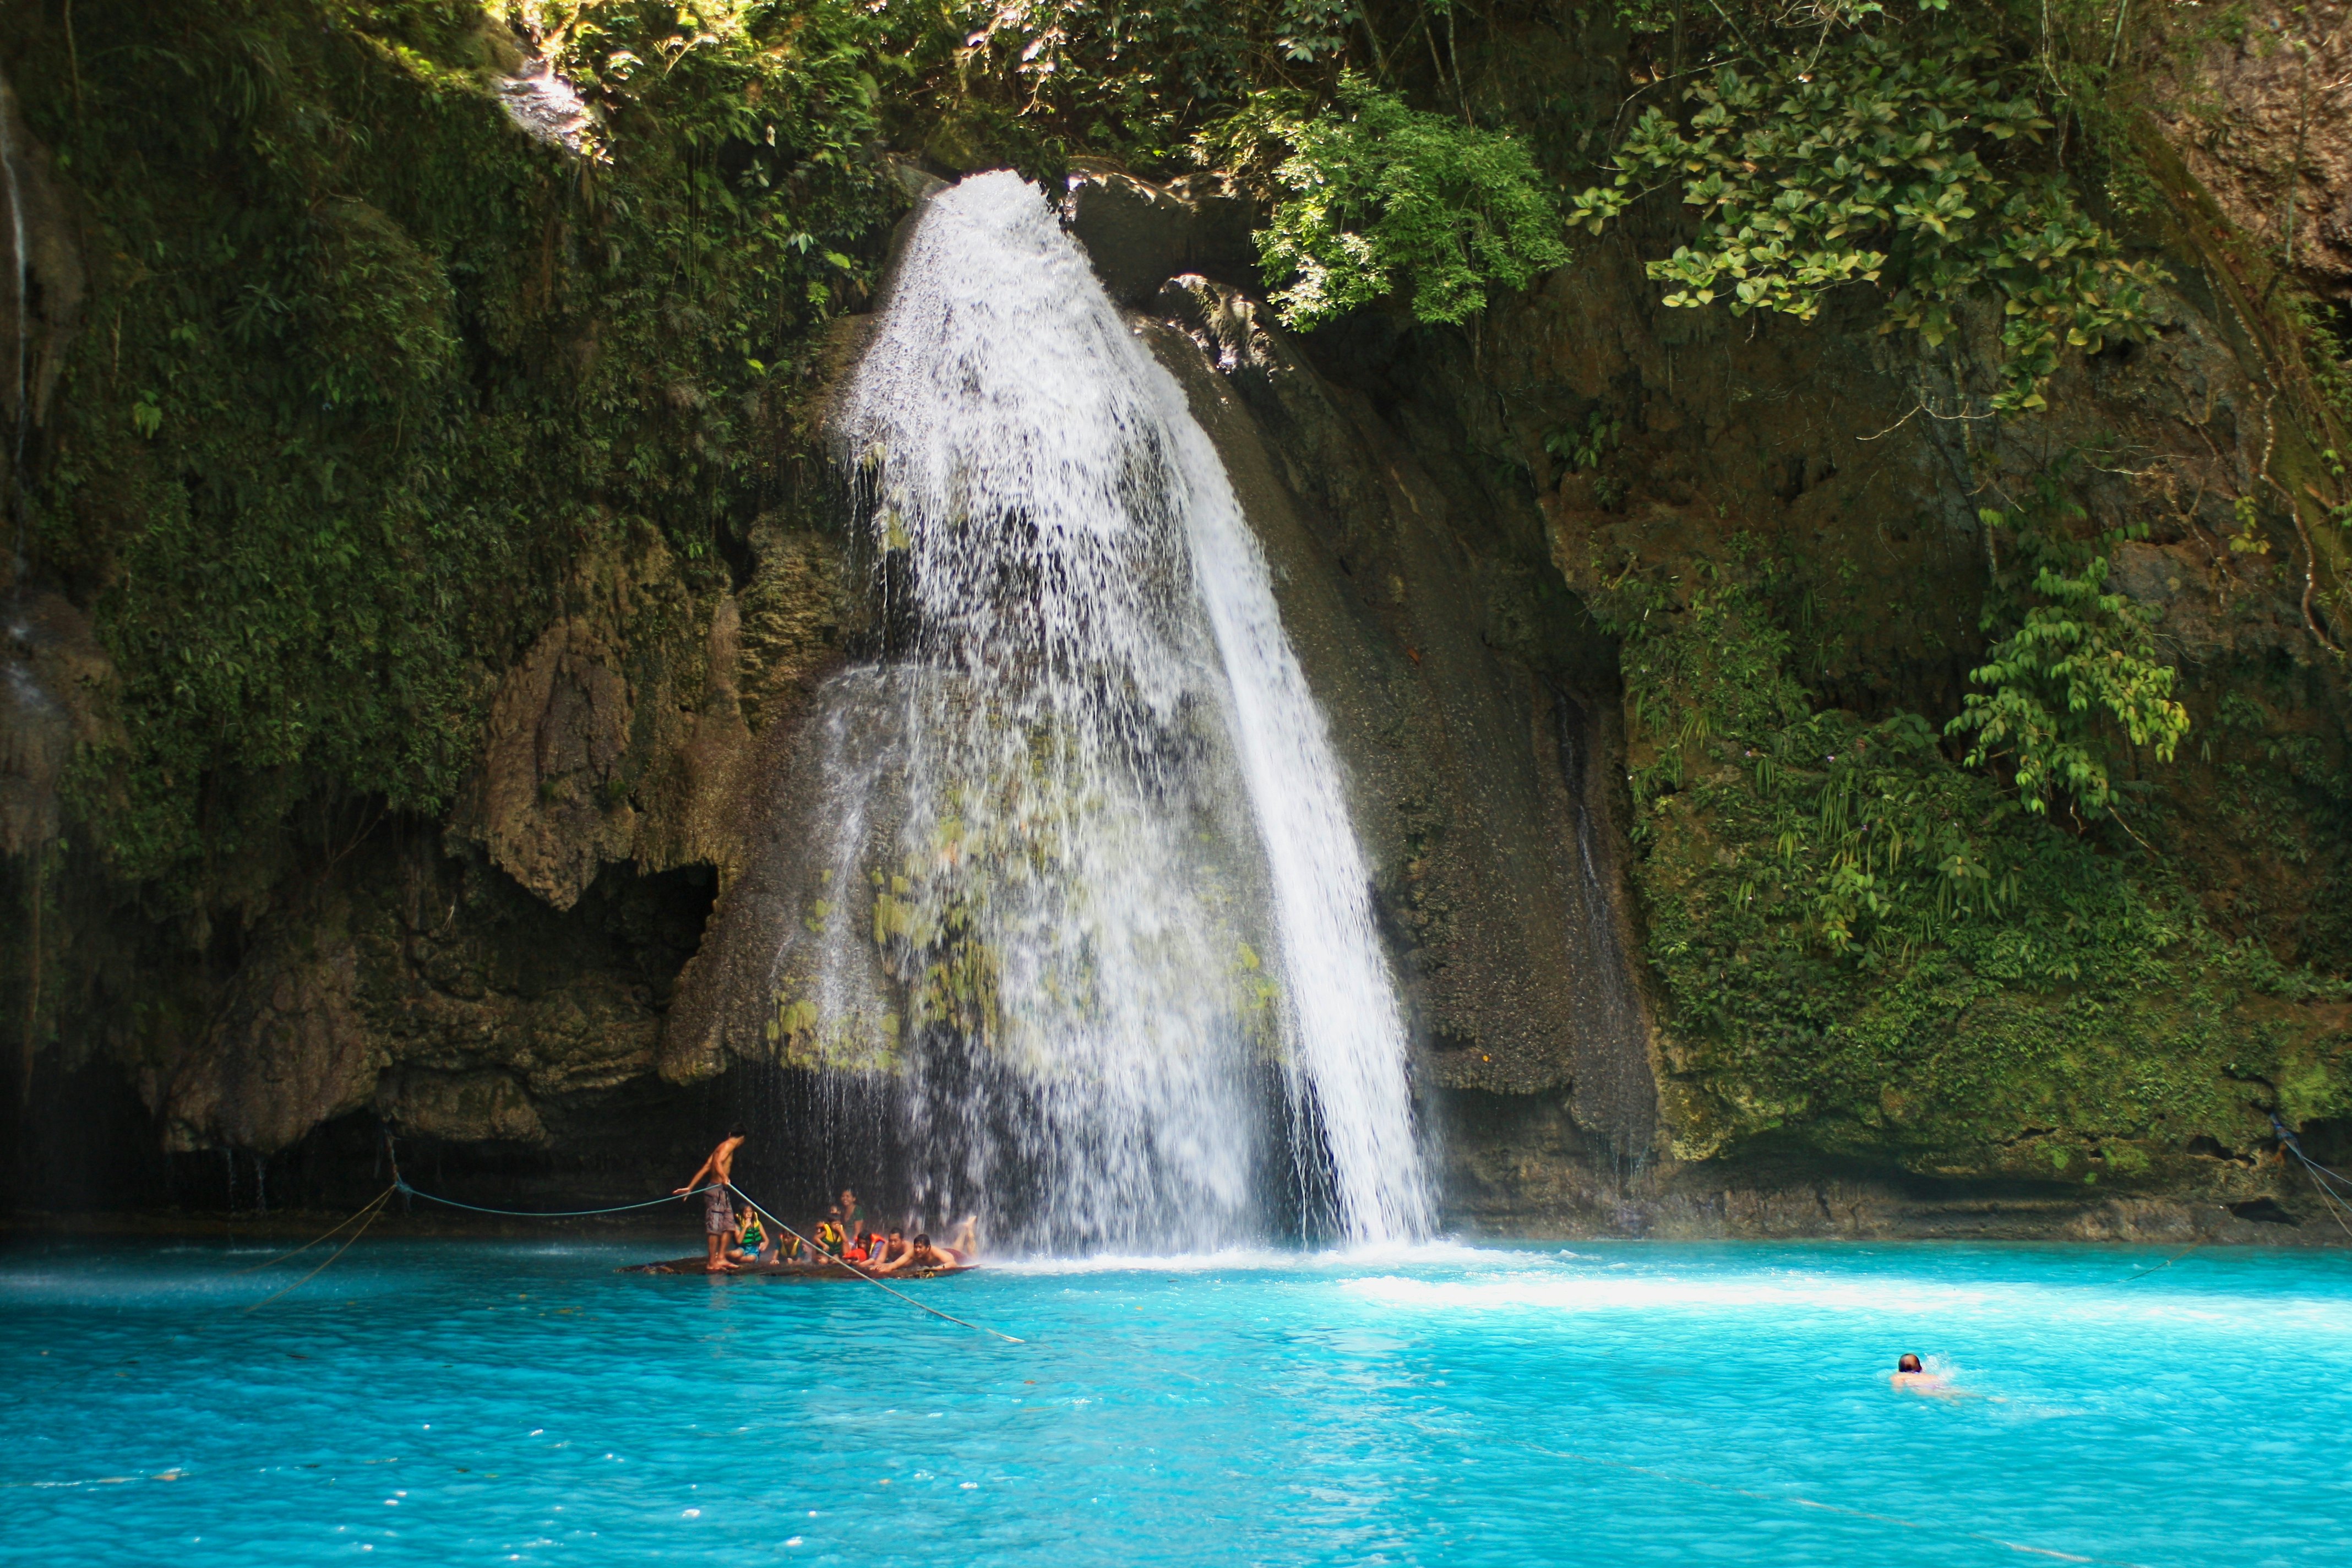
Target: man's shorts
717, 1212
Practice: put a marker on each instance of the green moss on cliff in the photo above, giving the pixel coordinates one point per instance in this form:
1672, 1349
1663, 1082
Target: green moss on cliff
368, 366
1869, 949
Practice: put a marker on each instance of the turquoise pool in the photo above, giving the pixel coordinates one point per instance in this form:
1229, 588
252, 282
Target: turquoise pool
453, 1402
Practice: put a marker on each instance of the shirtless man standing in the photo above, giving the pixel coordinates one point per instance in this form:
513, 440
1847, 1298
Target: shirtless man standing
719, 1203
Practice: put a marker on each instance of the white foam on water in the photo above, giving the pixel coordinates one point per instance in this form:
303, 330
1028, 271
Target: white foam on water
1114, 791
1263, 1259
1622, 1290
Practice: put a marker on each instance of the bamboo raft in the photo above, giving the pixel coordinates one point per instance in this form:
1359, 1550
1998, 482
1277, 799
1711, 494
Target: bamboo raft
830, 1269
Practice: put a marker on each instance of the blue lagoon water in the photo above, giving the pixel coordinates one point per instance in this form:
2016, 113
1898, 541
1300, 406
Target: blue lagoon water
446, 1403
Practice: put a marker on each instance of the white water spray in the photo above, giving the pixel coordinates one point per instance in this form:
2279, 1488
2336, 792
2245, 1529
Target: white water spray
19, 295
1110, 787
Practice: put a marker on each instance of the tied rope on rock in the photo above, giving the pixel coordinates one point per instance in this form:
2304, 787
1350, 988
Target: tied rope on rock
2333, 1187
2321, 1177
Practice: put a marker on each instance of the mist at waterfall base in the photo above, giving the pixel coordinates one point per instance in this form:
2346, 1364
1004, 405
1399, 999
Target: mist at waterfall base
460, 1402
1081, 890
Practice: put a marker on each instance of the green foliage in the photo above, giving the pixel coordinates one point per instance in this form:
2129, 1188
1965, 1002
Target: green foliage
1584, 450
2074, 668
1587, 450
368, 368
1134, 79
1877, 844
2079, 663
786, 89
1373, 193
1873, 950
1881, 159
2324, 333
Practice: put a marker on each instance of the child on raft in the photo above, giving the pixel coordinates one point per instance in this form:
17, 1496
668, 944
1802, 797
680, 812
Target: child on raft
752, 1243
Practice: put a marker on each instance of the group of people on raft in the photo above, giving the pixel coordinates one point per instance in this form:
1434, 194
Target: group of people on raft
736, 1240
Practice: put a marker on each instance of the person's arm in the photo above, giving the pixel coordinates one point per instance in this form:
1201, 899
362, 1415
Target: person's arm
695, 1180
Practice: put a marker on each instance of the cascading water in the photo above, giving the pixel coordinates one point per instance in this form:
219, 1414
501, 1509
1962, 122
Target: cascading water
1085, 792
19, 405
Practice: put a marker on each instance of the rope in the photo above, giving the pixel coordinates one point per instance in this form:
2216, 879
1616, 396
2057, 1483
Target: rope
372, 1210
2323, 1170
316, 1239
400, 1184
2329, 1199
2287, 1140
2333, 1204
934, 1311
2319, 1170
2160, 1267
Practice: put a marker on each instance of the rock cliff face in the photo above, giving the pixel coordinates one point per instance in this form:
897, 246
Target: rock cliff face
496, 982
1460, 521
50, 658
2257, 122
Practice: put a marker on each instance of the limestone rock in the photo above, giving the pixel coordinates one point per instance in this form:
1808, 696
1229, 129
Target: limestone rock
550, 799
288, 1054
53, 676
2149, 573
1140, 235
791, 622
462, 1107
2260, 120
625, 731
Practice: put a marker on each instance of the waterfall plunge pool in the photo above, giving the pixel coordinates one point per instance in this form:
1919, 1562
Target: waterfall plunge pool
450, 1402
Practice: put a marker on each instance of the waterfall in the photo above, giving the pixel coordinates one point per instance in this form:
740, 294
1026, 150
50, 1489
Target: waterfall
1083, 879
18, 262
21, 345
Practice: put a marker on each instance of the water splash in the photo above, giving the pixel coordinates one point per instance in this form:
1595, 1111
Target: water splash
1089, 797
546, 106
20, 303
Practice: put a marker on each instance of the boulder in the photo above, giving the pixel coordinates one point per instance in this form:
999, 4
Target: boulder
1139, 235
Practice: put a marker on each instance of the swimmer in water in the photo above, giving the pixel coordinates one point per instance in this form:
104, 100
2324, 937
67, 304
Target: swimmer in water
921, 1257
1910, 1373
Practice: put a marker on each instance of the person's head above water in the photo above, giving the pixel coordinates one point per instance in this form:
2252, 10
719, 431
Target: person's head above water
1909, 1364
